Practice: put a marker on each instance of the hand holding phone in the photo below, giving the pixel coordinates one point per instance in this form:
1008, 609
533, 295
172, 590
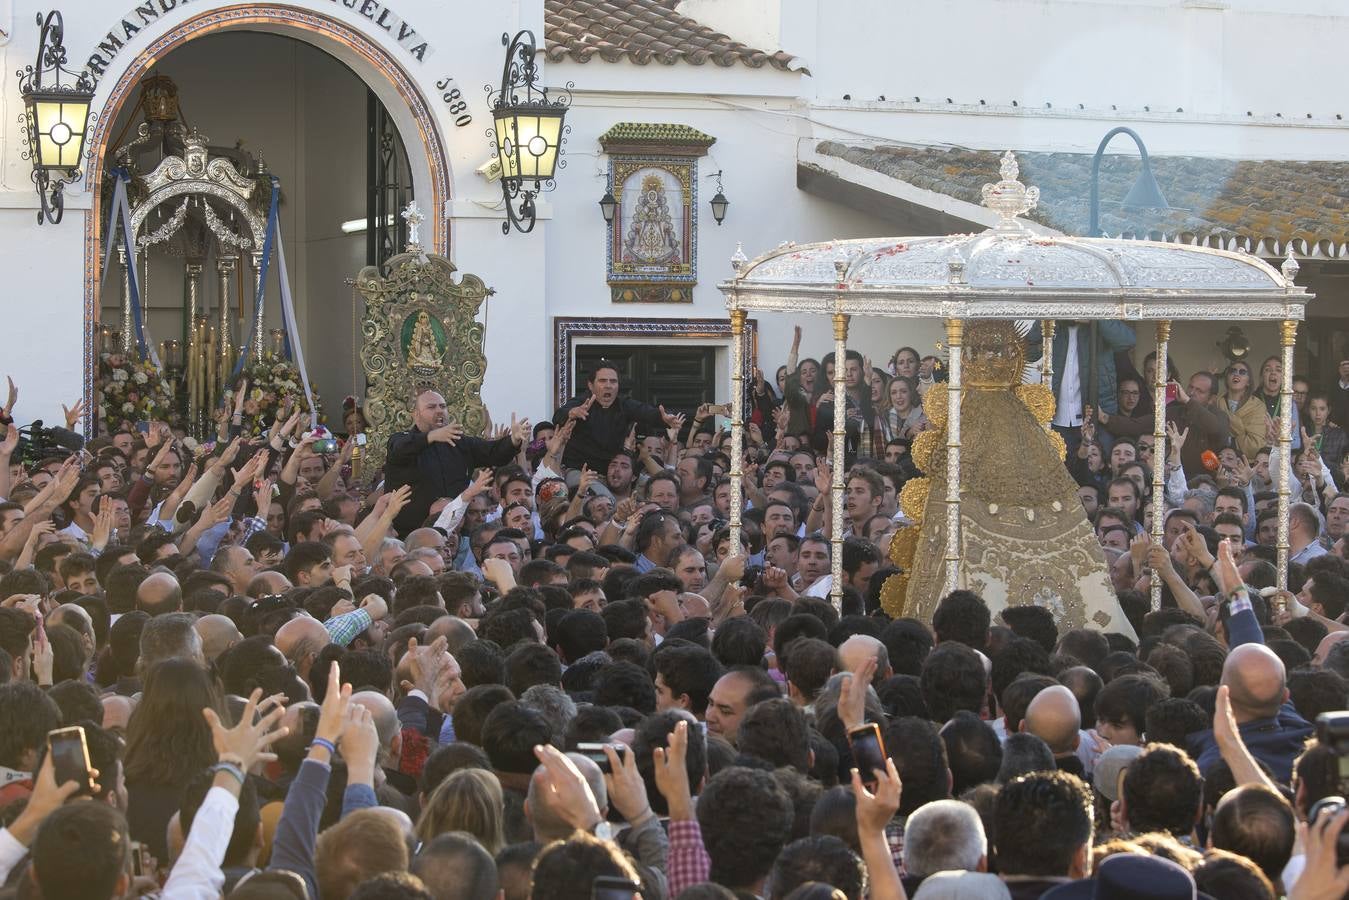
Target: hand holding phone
610, 887
868, 752
70, 758
595, 753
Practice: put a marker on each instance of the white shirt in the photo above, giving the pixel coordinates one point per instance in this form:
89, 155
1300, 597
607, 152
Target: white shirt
197, 874
1068, 410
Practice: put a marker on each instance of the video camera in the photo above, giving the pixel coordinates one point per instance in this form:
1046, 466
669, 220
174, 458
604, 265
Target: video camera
38, 442
1332, 732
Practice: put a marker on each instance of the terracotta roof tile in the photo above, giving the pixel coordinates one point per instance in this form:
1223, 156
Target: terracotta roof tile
1214, 200
643, 31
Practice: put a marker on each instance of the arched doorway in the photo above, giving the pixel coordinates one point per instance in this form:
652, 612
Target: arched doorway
381, 73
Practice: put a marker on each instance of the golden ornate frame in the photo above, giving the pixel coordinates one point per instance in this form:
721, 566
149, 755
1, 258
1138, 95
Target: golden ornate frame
419, 283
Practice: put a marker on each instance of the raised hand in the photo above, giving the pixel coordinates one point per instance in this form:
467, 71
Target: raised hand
588, 477
262, 496
447, 434
246, 743
73, 414
426, 663
852, 698
10, 443
874, 811
397, 500
672, 774
673, 425
561, 434
824, 478
478, 485
583, 410
520, 430
1138, 551
672, 420
573, 799
1229, 578
102, 527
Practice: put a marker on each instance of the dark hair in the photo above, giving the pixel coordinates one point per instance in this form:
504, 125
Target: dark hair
654, 731
776, 732
797, 625
973, 751
746, 818
1017, 696
167, 740
77, 700
920, 759
529, 664
1314, 691
1034, 622
563, 866
1086, 644
687, 670
447, 759
16, 631
824, 859
807, 664
303, 556
506, 626
1017, 657
1126, 700
739, 642
509, 735
1169, 721
625, 684
481, 663
473, 708
26, 715
1022, 754
952, 679
1032, 806
579, 632
368, 669
456, 865
1257, 823
962, 616
1232, 877
625, 618
1162, 791
908, 642
81, 850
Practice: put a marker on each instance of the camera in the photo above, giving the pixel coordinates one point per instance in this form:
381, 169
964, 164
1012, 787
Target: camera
325, 446
1332, 732
37, 443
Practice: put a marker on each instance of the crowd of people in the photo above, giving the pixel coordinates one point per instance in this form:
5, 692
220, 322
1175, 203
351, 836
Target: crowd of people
532, 663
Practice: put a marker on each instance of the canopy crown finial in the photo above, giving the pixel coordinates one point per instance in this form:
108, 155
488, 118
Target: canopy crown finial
1009, 198
1290, 266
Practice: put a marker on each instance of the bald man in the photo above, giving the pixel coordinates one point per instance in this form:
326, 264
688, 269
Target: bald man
1055, 718
541, 806
76, 617
218, 634
455, 630
159, 594
856, 650
392, 787
1269, 725
301, 640
265, 584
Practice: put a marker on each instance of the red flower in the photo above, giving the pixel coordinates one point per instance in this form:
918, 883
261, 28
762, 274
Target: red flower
1210, 460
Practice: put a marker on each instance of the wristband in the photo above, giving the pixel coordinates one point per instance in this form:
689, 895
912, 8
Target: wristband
325, 744
231, 768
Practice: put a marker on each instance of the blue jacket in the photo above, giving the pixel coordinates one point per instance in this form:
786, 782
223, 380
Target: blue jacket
1276, 742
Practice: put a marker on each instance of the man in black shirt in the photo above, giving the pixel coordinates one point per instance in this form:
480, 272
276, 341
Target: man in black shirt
437, 459
604, 420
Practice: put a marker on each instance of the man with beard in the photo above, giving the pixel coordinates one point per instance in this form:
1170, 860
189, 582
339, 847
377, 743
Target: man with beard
436, 458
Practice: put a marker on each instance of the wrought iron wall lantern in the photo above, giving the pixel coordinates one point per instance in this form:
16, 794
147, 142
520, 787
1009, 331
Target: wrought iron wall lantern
56, 117
528, 131
608, 205
718, 201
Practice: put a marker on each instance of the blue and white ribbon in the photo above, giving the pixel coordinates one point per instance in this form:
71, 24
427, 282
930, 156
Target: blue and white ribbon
120, 213
290, 329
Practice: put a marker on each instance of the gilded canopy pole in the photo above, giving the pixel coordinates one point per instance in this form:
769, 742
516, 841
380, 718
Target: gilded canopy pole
737, 422
1159, 449
839, 458
1287, 336
955, 332
224, 267
1047, 351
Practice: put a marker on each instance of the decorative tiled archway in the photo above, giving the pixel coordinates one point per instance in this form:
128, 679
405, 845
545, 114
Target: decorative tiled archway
322, 32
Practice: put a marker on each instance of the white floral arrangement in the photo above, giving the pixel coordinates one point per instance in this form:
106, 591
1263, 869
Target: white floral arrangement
130, 390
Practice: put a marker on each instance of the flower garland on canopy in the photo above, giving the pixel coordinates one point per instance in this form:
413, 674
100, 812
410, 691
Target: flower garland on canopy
130, 390
270, 382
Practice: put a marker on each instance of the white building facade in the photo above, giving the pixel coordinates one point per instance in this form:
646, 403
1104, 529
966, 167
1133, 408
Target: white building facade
847, 118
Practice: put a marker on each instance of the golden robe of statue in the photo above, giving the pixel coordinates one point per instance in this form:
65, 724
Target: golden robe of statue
1024, 534
423, 351
651, 237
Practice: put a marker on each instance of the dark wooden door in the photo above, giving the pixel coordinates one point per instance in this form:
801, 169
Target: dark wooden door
679, 378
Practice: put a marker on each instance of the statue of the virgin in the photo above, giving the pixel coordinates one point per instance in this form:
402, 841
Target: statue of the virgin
1025, 538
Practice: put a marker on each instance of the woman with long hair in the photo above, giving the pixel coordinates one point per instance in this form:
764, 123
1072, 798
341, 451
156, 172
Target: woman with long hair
1245, 411
469, 800
168, 742
803, 388
904, 416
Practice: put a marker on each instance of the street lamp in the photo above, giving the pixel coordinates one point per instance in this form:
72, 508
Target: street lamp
1145, 194
719, 202
528, 132
56, 117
